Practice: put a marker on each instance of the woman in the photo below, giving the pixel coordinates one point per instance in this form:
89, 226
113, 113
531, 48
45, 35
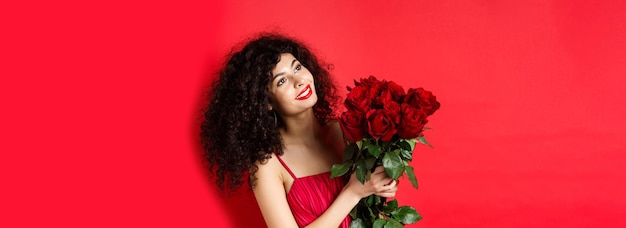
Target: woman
270, 117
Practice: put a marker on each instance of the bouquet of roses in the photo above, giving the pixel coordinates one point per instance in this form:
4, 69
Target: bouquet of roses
383, 123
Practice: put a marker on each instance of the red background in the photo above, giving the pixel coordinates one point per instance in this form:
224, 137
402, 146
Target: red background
100, 106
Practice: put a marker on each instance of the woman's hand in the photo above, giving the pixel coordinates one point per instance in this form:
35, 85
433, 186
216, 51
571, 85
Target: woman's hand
379, 184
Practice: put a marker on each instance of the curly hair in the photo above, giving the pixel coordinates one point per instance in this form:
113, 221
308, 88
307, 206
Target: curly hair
238, 128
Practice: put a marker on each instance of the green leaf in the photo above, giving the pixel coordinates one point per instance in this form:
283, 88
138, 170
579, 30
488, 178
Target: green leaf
369, 200
349, 151
423, 141
409, 172
340, 169
377, 200
379, 223
406, 154
374, 150
406, 215
369, 163
353, 212
357, 223
390, 206
393, 165
392, 223
396, 152
361, 172
366, 143
359, 144
412, 143
404, 145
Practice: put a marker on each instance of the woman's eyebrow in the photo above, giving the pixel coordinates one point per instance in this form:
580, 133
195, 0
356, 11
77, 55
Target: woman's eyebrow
281, 73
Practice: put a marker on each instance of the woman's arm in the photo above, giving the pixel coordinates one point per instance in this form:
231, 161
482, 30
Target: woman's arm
271, 197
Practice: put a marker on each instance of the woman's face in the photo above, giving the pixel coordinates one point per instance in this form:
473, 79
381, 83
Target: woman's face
292, 89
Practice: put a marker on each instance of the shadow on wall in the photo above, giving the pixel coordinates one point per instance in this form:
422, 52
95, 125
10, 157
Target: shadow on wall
243, 209
240, 206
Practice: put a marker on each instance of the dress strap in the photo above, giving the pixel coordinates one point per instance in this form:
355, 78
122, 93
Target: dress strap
285, 165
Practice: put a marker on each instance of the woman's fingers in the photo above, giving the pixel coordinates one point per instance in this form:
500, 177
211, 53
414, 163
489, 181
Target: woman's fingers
378, 170
388, 194
384, 184
392, 183
388, 190
379, 184
392, 186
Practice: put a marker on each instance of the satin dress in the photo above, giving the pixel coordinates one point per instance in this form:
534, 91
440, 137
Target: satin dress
310, 196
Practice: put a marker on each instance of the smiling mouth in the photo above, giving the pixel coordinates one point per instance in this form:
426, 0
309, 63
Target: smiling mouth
305, 94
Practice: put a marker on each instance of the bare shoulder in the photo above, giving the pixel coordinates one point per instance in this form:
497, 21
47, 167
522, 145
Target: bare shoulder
268, 175
268, 169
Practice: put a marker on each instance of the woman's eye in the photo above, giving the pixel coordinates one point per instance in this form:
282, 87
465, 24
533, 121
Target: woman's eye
281, 81
298, 67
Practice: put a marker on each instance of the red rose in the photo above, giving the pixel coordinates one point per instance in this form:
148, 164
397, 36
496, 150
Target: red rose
367, 82
393, 110
380, 125
422, 99
352, 125
358, 99
385, 92
382, 97
396, 90
412, 122
375, 90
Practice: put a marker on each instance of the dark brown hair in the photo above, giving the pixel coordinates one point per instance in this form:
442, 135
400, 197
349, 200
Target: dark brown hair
238, 129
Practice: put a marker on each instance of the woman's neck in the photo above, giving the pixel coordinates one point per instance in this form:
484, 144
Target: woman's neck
301, 128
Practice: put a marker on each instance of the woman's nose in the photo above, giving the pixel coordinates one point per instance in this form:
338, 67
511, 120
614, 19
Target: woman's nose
299, 81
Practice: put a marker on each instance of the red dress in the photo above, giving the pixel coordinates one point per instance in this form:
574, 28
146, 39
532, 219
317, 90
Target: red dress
310, 196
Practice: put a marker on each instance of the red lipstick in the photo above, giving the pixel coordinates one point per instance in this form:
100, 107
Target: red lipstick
305, 93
